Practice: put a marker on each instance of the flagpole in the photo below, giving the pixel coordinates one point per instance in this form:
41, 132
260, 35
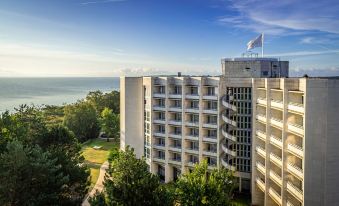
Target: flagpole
262, 45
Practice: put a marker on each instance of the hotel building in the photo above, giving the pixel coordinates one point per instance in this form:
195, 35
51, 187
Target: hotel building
277, 134
295, 144
177, 121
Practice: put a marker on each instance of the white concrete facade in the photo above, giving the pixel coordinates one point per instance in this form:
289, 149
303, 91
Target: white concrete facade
295, 142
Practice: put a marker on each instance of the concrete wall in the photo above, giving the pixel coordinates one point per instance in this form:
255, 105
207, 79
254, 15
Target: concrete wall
131, 114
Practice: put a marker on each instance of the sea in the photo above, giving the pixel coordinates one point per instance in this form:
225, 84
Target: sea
50, 91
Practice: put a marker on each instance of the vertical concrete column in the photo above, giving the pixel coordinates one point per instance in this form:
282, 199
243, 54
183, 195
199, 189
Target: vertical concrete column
200, 91
168, 176
284, 87
267, 143
183, 154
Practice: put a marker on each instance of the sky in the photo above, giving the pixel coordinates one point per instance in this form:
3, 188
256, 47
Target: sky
103, 38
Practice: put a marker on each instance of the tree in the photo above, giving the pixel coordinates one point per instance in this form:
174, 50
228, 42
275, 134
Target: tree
29, 176
101, 100
81, 118
128, 181
201, 187
110, 123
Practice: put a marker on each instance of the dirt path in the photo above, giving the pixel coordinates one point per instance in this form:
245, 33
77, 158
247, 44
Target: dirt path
98, 185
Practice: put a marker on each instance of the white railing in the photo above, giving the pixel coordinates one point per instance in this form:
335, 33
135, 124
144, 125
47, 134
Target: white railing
296, 192
262, 101
277, 103
228, 166
261, 134
276, 197
298, 172
229, 121
228, 151
276, 159
261, 117
227, 104
275, 177
228, 136
277, 122
261, 168
296, 128
296, 107
260, 184
276, 141
261, 151
295, 149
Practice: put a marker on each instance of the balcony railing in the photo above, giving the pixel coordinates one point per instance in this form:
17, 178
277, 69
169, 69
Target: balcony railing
192, 109
159, 133
213, 125
296, 171
295, 149
296, 192
175, 122
275, 196
277, 104
159, 94
159, 146
277, 122
276, 141
261, 135
192, 124
261, 118
228, 166
192, 96
276, 159
159, 107
296, 107
260, 184
262, 101
296, 128
261, 168
159, 121
261, 151
275, 177
210, 139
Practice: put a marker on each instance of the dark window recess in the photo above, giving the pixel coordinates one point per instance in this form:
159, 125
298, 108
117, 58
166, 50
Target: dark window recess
265, 73
247, 68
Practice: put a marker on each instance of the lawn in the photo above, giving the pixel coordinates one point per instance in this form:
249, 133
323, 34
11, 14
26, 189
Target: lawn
95, 157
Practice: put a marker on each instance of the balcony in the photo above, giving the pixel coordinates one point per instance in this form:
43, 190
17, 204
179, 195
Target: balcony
261, 168
159, 134
228, 135
275, 196
225, 103
228, 166
175, 109
159, 95
191, 163
261, 152
175, 148
210, 96
229, 121
296, 129
212, 125
210, 139
192, 109
296, 108
296, 150
159, 121
175, 96
296, 171
278, 104
192, 124
276, 142
192, 137
261, 118
260, 184
192, 96
210, 111
276, 160
192, 150
262, 101
275, 177
261, 135
293, 190
175, 122
175, 135
228, 151
159, 107
159, 159
288, 203
210, 152
277, 123
176, 161
159, 146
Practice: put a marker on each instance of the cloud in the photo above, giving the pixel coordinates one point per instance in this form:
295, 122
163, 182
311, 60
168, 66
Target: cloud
100, 2
315, 72
303, 53
279, 17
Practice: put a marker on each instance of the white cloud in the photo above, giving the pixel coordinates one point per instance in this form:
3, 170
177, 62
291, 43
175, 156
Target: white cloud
99, 2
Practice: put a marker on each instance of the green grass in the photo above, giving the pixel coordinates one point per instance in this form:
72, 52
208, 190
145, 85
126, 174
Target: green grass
94, 158
241, 200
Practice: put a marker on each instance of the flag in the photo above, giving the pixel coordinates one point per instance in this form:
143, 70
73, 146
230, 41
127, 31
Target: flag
257, 42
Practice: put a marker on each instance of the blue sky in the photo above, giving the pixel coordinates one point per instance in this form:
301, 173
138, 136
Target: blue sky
135, 37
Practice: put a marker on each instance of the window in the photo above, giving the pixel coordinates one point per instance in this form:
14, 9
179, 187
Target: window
177, 89
177, 143
161, 128
265, 73
161, 141
161, 102
194, 159
195, 104
211, 119
161, 154
194, 145
177, 130
176, 156
213, 105
162, 89
194, 90
211, 91
177, 103
177, 116
212, 133
194, 132
194, 118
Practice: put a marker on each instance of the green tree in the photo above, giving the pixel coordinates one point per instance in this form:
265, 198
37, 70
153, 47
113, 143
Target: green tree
110, 123
29, 176
203, 187
128, 181
101, 100
82, 119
